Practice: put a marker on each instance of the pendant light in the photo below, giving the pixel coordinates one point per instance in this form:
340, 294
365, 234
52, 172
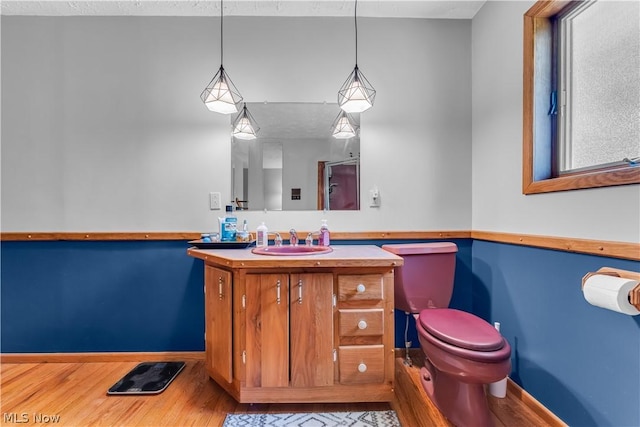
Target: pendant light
221, 95
343, 126
244, 126
356, 94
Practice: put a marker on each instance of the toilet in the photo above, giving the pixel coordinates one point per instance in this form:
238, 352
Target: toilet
463, 352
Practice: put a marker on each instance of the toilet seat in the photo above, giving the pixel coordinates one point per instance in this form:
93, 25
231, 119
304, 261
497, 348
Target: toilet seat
463, 334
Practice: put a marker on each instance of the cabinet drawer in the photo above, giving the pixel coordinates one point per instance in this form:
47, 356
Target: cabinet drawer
361, 364
367, 322
360, 287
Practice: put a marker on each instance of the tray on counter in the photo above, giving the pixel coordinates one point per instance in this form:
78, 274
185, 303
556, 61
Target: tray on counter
220, 245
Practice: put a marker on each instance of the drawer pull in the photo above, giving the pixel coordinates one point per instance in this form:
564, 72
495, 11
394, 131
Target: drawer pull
220, 294
362, 324
278, 292
362, 367
360, 288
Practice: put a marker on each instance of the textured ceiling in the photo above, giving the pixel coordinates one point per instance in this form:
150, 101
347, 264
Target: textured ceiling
451, 9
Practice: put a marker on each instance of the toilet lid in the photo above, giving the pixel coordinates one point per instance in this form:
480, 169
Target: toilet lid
461, 329
421, 248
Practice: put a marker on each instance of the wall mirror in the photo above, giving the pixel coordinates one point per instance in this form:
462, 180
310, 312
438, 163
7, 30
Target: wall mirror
295, 164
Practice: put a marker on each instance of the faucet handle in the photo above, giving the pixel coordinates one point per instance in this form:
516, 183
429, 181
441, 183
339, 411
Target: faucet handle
293, 237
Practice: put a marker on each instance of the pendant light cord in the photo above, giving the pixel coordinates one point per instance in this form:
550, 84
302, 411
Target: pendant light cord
221, 33
355, 19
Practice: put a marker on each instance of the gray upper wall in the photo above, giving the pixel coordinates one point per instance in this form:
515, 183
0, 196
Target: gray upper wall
103, 128
610, 213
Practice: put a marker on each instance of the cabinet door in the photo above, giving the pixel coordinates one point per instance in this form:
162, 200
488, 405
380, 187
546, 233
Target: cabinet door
267, 330
311, 308
218, 322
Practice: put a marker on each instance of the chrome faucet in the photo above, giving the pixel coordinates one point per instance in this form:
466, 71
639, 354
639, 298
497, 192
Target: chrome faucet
309, 239
278, 239
293, 237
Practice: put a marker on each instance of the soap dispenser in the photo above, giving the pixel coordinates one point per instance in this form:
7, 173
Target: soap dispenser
262, 236
323, 239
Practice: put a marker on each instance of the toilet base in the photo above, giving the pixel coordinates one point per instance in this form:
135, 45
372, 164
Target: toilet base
464, 404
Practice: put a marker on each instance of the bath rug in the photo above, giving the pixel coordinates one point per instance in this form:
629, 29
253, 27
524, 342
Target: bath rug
315, 419
147, 378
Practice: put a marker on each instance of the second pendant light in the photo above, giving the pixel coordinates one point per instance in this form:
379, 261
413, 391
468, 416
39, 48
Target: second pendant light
356, 94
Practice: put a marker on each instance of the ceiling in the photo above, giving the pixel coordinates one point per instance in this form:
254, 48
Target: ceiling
451, 9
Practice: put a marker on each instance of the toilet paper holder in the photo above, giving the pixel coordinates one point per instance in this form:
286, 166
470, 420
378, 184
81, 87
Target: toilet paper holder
634, 294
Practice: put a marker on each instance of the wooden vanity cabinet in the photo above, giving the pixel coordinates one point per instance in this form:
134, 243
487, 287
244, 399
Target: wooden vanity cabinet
279, 333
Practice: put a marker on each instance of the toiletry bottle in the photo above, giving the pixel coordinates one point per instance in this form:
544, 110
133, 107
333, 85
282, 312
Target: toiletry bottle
243, 235
229, 226
323, 239
262, 236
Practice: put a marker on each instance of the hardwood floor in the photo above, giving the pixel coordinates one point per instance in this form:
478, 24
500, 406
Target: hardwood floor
74, 394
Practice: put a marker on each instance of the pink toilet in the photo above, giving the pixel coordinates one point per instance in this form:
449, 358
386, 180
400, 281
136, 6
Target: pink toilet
463, 352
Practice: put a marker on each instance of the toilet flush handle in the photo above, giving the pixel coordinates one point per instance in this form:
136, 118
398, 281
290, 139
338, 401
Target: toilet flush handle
360, 288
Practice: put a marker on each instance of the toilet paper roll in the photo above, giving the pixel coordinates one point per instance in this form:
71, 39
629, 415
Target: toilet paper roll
610, 292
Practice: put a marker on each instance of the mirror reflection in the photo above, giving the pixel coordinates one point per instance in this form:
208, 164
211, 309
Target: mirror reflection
295, 163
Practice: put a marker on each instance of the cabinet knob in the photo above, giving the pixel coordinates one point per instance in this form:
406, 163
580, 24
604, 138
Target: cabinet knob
360, 288
362, 324
362, 367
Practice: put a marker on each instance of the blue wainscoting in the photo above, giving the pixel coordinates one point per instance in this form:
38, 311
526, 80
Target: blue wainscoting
100, 297
580, 361
88, 296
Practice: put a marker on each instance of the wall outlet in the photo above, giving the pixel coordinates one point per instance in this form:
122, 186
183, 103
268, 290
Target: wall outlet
215, 203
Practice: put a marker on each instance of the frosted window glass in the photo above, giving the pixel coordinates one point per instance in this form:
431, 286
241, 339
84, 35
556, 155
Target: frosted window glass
604, 100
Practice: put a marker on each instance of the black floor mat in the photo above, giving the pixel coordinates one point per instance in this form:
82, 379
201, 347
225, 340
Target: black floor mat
147, 378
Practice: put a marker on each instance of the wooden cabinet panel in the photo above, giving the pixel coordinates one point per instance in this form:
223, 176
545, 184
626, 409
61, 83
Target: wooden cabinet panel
311, 310
360, 287
267, 330
218, 322
361, 364
361, 322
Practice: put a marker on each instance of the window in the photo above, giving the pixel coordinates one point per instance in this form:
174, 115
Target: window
581, 112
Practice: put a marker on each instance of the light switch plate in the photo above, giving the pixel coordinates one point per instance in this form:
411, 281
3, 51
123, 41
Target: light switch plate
374, 198
214, 201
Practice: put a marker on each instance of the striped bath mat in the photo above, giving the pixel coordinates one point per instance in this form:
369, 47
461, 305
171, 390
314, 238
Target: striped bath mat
315, 419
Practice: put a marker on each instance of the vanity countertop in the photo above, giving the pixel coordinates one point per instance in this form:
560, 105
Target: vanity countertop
341, 256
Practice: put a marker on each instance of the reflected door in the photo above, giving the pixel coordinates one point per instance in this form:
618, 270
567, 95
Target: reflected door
339, 185
343, 188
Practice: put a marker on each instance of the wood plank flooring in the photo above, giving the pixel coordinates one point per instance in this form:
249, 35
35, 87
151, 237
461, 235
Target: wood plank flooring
74, 394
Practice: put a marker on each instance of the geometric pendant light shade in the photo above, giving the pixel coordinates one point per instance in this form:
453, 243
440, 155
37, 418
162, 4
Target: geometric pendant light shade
344, 126
244, 126
221, 95
356, 94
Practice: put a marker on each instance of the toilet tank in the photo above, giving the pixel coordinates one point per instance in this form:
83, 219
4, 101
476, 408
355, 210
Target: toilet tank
426, 278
